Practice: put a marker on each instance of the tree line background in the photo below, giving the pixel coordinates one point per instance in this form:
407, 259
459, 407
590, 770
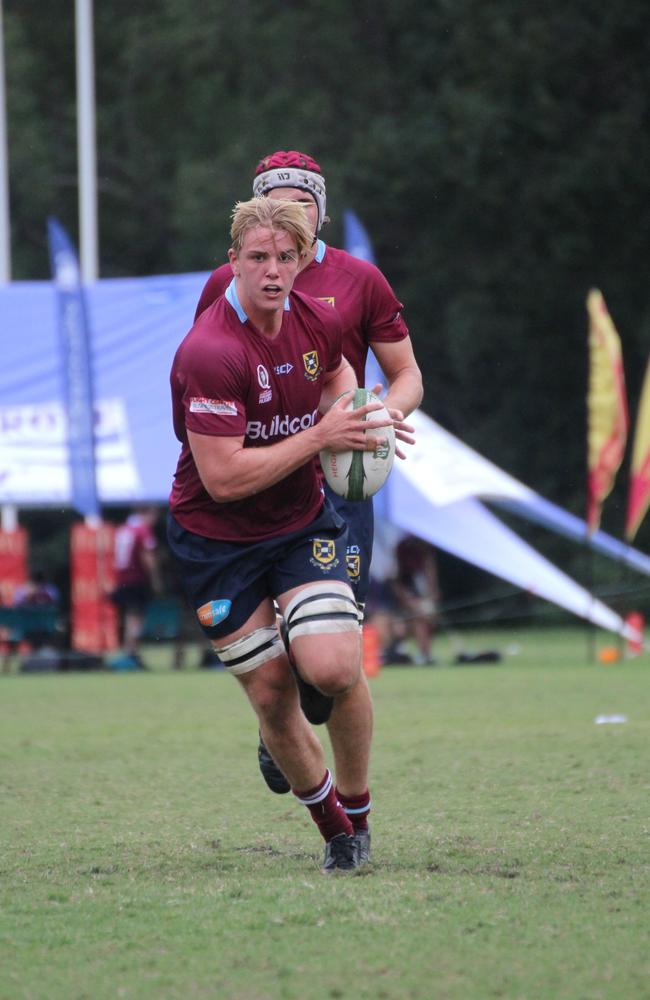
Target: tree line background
497, 153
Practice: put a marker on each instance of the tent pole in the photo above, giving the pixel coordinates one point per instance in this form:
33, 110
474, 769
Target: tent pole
86, 142
5, 226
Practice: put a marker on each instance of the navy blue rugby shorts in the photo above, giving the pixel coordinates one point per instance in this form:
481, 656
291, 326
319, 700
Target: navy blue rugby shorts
359, 517
226, 582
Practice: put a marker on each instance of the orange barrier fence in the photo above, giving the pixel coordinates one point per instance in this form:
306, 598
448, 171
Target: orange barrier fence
371, 650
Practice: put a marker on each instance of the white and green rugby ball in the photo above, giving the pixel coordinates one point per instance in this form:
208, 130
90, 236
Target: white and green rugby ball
357, 475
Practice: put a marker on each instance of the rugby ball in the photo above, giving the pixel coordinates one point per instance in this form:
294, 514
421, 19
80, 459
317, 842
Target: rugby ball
357, 475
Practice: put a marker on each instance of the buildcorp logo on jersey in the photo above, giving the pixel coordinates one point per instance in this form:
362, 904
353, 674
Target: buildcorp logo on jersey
279, 426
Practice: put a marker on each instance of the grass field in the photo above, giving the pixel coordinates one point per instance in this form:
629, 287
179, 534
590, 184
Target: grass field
142, 856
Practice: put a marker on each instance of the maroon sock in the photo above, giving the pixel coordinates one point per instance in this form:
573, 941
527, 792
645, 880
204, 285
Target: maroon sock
356, 808
325, 809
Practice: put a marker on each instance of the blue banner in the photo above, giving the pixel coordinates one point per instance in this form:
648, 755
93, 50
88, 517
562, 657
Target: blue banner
355, 238
357, 243
76, 367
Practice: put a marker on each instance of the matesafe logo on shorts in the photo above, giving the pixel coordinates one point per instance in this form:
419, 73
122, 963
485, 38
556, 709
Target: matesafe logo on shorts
214, 611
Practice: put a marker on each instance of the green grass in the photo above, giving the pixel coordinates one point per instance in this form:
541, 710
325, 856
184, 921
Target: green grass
142, 856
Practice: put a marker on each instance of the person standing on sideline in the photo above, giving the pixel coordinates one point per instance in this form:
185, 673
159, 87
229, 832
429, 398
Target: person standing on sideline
371, 316
36, 592
417, 590
137, 576
249, 525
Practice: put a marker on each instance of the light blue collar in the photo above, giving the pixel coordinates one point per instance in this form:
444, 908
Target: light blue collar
320, 251
233, 298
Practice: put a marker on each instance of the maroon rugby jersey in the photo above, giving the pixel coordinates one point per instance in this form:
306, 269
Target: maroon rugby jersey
132, 539
358, 290
228, 379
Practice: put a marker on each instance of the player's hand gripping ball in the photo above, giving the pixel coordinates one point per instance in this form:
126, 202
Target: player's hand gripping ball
357, 475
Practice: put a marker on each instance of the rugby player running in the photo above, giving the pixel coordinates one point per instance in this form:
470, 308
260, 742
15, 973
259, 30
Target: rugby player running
248, 524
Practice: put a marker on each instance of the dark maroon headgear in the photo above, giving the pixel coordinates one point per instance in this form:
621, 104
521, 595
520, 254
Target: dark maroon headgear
291, 169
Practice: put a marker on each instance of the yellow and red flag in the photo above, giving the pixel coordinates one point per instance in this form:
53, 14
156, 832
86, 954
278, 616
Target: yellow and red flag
638, 499
606, 405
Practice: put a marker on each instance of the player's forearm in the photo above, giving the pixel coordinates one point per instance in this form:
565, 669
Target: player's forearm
251, 470
343, 380
405, 390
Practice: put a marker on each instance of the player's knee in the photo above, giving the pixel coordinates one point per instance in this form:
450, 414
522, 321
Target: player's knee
322, 623
322, 610
336, 678
333, 667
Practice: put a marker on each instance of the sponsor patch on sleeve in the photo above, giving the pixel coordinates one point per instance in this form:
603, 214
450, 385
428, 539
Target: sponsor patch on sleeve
224, 407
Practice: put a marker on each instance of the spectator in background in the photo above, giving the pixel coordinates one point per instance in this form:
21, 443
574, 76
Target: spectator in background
41, 600
36, 592
417, 595
137, 576
381, 605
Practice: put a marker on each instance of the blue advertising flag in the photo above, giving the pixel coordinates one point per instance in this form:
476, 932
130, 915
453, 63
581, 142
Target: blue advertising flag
76, 367
355, 237
357, 243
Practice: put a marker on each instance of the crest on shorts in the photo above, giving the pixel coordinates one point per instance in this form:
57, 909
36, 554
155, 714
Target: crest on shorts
324, 550
313, 367
353, 565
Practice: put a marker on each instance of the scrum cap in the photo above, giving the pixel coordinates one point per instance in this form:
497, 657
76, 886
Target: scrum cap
291, 169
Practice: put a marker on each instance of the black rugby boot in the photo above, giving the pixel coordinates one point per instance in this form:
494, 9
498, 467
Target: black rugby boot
271, 773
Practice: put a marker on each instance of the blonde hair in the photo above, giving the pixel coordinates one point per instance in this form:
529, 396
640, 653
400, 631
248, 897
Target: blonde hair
287, 216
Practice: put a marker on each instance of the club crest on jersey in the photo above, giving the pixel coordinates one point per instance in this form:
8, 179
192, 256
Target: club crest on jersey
324, 553
353, 565
327, 298
313, 367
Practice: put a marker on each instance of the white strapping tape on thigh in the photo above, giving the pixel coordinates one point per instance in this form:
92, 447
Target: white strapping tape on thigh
320, 608
251, 650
